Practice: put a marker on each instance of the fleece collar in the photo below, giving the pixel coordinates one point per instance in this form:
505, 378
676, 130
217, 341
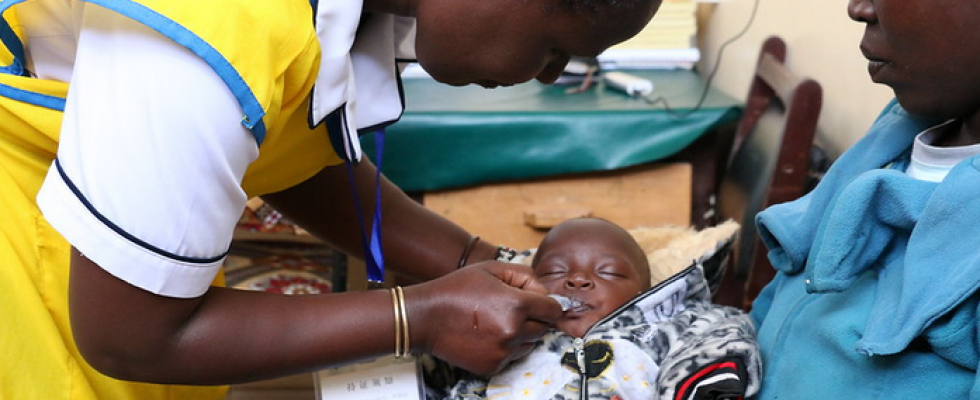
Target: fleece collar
664, 300
863, 217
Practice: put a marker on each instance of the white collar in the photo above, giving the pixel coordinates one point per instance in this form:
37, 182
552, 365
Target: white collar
358, 65
932, 163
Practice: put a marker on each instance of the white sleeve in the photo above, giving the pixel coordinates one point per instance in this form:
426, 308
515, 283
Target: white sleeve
150, 160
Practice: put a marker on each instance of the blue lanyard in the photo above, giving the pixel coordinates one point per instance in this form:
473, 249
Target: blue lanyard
373, 255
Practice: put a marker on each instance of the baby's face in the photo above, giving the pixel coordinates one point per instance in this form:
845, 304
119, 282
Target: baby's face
593, 263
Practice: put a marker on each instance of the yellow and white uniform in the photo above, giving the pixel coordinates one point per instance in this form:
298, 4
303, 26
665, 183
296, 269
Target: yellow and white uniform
136, 131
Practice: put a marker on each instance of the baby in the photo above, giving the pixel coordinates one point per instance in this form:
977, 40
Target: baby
596, 264
621, 338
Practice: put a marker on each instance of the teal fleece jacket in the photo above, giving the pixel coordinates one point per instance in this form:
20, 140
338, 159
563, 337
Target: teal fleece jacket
875, 295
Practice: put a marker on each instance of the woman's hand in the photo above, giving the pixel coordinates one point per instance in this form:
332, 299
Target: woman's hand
481, 317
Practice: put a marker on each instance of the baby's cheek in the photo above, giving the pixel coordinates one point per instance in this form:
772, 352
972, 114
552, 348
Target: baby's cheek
552, 285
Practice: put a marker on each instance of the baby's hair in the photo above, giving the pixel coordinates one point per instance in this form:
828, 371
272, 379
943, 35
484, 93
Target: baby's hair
593, 6
643, 268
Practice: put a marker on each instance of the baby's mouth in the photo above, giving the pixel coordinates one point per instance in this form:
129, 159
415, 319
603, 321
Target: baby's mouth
566, 303
581, 308
571, 305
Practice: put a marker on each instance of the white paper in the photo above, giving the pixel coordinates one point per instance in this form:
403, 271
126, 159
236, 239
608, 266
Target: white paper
386, 378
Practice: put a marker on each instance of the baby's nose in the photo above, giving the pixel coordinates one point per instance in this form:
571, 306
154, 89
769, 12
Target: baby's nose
578, 281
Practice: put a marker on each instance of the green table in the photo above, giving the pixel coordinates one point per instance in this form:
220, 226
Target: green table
462, 136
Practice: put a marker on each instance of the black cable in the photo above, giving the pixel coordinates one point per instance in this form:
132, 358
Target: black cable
711, 75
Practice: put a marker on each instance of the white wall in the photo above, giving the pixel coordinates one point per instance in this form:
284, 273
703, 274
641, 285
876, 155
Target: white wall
822, 43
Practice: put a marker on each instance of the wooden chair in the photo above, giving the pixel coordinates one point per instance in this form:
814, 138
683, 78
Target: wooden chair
765, 166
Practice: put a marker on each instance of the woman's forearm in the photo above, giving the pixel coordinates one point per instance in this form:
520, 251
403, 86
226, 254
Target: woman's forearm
479, 318
225, 336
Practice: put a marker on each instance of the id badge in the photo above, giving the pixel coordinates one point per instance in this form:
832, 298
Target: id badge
385, 378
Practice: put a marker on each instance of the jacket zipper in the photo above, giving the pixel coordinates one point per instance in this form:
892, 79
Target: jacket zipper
579, 345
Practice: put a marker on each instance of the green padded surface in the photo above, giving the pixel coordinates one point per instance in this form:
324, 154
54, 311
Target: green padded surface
462, 136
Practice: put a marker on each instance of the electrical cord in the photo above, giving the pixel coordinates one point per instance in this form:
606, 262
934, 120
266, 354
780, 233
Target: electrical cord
711, 76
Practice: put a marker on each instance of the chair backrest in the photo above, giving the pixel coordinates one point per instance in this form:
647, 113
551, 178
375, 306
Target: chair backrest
766, 166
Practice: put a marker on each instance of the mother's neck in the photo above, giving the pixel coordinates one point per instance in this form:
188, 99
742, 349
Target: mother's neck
963, 134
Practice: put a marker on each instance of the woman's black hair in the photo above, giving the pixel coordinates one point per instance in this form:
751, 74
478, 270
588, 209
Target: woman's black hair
593, 6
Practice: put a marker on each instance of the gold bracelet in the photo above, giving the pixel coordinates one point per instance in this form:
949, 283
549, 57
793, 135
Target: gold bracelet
398, 322
406, 348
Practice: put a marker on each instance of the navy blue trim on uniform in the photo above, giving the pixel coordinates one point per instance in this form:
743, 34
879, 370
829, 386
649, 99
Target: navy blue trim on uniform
38, 99
336, 123
123, 233
253, 119
13, 43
